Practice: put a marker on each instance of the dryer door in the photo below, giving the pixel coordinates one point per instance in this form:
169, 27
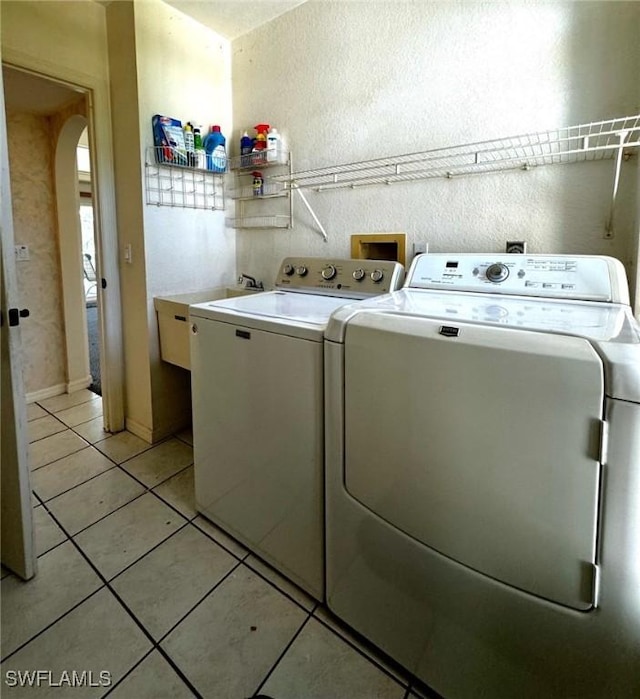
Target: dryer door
483, 446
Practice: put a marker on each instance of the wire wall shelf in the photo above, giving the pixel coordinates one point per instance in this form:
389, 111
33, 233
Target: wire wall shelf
594, 141
275, 221
170, 181
269, 190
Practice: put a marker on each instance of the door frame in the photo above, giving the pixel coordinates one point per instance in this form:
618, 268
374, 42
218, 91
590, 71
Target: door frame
103, 184
18, 545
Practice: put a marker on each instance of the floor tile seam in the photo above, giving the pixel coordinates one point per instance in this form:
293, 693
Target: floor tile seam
95, 396
52, 413
144, 451
210, 536
114, 434
406, 683
51, 434
136, 666
184, 441
192, 609
144, 555
84, 529
43, 417
106, 584
68, 490
164, 480
273, 584
423, 691
79, 424
124, 677
55, 546
159, 497
54, 622
281, 656
71, 453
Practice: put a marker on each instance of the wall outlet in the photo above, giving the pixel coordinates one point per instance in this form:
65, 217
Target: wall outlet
420, 247
516, 247
22, 253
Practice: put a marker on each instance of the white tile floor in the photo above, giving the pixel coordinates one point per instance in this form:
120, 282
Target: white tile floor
133, 581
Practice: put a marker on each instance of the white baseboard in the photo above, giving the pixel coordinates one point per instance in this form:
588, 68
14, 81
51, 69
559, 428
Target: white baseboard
79, 384
50, 392
153, 436
139, 430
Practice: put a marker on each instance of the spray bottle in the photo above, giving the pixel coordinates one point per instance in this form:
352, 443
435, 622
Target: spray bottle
260, 143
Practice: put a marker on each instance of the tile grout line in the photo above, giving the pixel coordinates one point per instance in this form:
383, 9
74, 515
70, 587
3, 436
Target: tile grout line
53, 623
75, 451
284, 652
77, 485
165, 635
372, 659
106, 583
126, 473
129, 672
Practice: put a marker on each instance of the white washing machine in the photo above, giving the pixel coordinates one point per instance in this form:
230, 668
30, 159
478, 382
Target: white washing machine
258, 397
483, 475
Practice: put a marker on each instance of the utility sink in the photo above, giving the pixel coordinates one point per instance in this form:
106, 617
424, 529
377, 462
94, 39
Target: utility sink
173, 320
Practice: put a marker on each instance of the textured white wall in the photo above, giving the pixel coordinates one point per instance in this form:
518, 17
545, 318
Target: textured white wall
347, 81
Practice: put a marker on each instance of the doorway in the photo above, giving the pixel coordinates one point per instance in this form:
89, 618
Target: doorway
56, 348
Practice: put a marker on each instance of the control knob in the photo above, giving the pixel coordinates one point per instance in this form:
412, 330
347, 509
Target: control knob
329, 272
302, 271
358, 274
288, 270
497, 272
377, 275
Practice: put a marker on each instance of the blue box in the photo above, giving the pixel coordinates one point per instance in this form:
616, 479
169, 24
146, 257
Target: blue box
168, 139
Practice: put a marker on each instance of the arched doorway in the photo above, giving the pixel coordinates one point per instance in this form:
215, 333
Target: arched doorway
71, 253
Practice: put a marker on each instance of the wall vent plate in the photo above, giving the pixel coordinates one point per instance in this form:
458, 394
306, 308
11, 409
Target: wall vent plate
516, 247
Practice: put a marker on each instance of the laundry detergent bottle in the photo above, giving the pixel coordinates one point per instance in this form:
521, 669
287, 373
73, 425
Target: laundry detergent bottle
215, 148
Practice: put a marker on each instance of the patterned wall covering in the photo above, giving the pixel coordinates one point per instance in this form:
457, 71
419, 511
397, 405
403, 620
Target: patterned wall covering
34, 218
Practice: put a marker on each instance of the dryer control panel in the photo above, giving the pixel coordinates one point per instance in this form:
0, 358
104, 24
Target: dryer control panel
336, 277
584, 277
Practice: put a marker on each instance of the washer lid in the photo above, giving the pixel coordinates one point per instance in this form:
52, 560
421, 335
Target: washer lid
289, 313
609, 327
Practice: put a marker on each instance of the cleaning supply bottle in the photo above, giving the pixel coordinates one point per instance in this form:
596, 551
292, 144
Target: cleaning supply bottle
201, 158
189, 144
246, 146
214, 146
274, 146
258, 184
260, 144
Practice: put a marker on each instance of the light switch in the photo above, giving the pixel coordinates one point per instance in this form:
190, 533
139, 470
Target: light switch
22, 253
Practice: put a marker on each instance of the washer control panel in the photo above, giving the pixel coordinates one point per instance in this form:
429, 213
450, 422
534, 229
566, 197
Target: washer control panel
585, 277
348, 278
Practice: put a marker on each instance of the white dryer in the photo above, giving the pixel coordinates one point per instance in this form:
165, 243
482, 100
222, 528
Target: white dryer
483, 475
258, 408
